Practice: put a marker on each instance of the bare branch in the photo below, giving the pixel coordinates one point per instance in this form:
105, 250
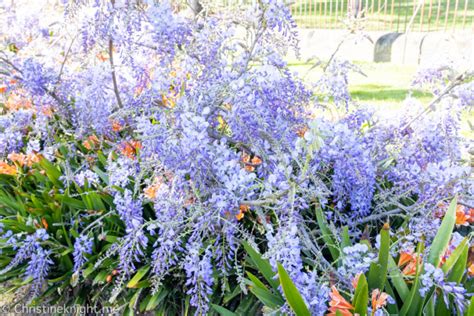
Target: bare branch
114, 77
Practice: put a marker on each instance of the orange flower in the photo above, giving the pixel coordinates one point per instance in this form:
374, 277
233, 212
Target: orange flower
355, 280
242, 210
16, 101
3, 88
116, 126
47, 110
169, 101
45, 223
102, 56
152, 190
470, 270
405, 257
250, 163
5, 168
461, 217
379, 299
338, 304
410, 260
256, 161
301, 131
23, 159
129, 149
471, 216
91, 142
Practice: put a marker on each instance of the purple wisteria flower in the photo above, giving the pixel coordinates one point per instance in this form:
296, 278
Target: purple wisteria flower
82, 247
199, 276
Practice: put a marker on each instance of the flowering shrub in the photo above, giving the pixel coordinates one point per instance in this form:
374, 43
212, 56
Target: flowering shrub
144, 147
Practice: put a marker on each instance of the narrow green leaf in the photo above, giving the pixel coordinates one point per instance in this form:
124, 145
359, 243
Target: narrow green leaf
429, 309
454, 256
470, 310
396, 278
138, 276
441, 308
378, 271
52, 172
412, 303
361, 296
100, 277
156, 299
266, 297
326, 234
134, 300
223, 311
256, 282
392, 309
229, 296
345, 240
292, 295
443, 236
460, 266
263, 265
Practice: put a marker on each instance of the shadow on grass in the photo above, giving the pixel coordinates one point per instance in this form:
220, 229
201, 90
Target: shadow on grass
372, 92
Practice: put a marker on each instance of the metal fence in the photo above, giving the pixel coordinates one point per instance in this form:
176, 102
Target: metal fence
387, 15
383, 15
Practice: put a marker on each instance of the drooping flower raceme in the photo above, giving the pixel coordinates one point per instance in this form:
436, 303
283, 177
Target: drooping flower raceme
82, 247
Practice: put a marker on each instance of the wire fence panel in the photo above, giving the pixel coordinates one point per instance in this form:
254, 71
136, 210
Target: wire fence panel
387, 15
374, 15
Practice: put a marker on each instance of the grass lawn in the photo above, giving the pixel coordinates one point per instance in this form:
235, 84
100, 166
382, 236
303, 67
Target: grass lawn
385, 86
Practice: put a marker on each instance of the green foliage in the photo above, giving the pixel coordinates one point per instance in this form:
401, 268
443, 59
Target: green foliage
292, 295
383, 275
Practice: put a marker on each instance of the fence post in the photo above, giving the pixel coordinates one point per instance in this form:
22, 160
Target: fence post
438, 14
455, 14
465, 13
446, 16
429, 15
422, 15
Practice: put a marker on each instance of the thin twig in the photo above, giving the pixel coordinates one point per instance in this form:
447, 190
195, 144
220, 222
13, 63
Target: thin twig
114, 77
459, 79
65, 59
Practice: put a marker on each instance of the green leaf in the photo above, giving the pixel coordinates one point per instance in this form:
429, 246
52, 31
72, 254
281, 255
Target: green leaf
263, 265
392, 309
134, 300
256, 282
396, 278
138, 276
326, 234
292, 295
454, 256
443, 236
460, 265
103, 176
345, 240
266, 297
52, 172
229, 296
378, 271
101, 277
441, 308
361, 296
156, 299
412, 302
223, 311
470, 310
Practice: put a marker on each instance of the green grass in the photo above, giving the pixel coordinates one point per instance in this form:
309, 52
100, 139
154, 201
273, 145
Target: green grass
385, 86
374, 93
